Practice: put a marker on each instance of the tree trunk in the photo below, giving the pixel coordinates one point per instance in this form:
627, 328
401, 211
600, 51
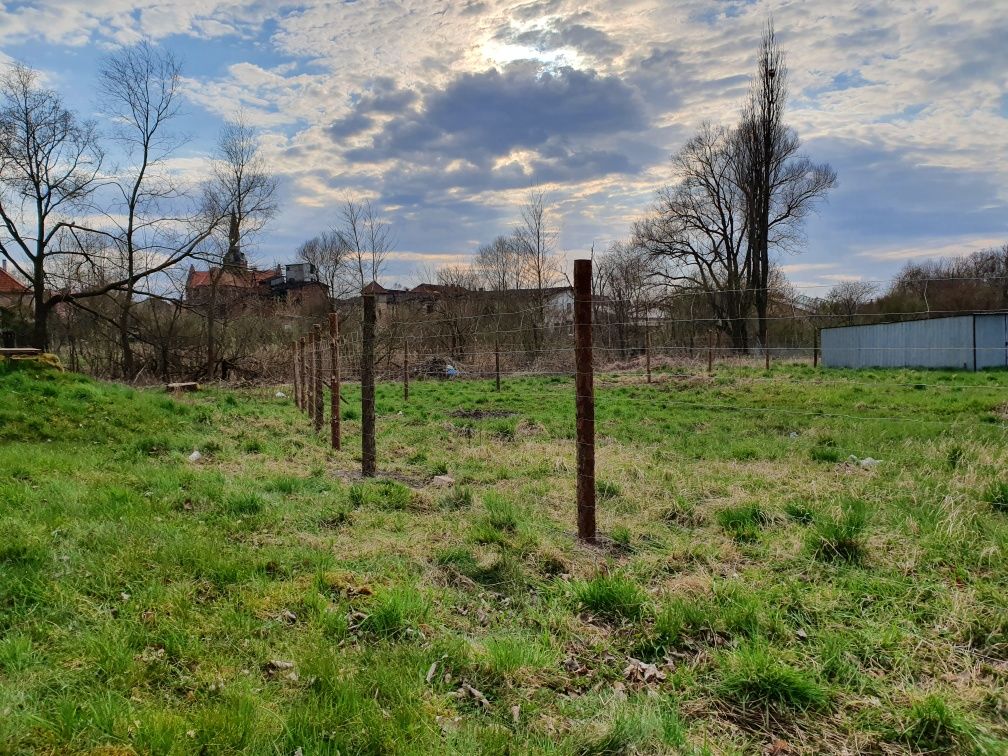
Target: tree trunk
124, 341
211, 363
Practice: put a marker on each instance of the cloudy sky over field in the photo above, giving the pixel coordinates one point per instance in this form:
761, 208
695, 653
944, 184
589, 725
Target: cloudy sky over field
445, 113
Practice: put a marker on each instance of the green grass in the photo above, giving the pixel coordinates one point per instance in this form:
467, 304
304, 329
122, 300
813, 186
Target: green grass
753, 675
614, 596
840, 535
265, 599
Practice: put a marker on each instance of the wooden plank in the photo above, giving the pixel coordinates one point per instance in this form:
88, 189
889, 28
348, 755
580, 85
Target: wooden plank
19, 351
186, 386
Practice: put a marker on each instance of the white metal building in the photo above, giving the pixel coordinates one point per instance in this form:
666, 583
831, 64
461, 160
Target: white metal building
966, 342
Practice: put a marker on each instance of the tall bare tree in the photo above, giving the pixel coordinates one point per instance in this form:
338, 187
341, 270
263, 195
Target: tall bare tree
49, 165
367, 237
697, 231
780, 186
624, 277
242, 187
139, 86
535, 238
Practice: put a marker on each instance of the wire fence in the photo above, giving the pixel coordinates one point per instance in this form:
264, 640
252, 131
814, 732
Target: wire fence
376, 349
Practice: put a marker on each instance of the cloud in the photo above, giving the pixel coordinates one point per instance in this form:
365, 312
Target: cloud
563, 33
448, 112
490, 113
961, 246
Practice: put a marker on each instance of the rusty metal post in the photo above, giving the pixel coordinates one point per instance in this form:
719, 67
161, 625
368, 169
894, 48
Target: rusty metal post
815, 348
304, 375
647, 353
405, 370
584, 387
319, 391
334, 379
497, 360
368, 389
710, 354
312, 347
296, 371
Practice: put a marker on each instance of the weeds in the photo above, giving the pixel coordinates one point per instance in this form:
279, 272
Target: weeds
931, 725
753, 675
997, 495
840, 536
613, 596
745, 522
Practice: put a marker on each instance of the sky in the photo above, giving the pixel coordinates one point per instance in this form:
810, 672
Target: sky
444, 114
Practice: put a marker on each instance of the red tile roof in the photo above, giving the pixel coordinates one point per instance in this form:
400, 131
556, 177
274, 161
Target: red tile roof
375, 288
10, 285
246, 279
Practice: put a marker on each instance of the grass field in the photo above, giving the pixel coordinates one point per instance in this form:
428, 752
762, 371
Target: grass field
756, 592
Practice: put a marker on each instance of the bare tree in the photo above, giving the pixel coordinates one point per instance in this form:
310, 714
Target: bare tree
49, 164
367, 237
243, 187
779, 186
332, 260
697, 232
535, 239
457, 306
848, 298
624, 277
499, 264
140, 87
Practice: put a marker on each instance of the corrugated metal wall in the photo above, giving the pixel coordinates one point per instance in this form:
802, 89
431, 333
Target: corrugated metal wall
942, 342
991, 341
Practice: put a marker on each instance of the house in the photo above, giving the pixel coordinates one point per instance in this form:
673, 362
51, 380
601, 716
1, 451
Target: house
557, 301
15, 306
234, 282
14, 295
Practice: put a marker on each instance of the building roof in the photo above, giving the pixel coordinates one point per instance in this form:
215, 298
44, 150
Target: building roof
10, 285
375, 288
237, 279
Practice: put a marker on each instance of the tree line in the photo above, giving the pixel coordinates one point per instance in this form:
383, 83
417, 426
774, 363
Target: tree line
96, 223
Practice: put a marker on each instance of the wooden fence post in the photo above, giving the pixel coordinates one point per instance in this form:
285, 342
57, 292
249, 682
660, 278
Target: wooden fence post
710, 354
368, 389
319, 391
584, 387
304, 374
405, 370
334, 379
815, 348
766, 352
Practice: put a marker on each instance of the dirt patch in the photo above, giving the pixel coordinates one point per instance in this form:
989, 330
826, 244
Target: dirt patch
476, 414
